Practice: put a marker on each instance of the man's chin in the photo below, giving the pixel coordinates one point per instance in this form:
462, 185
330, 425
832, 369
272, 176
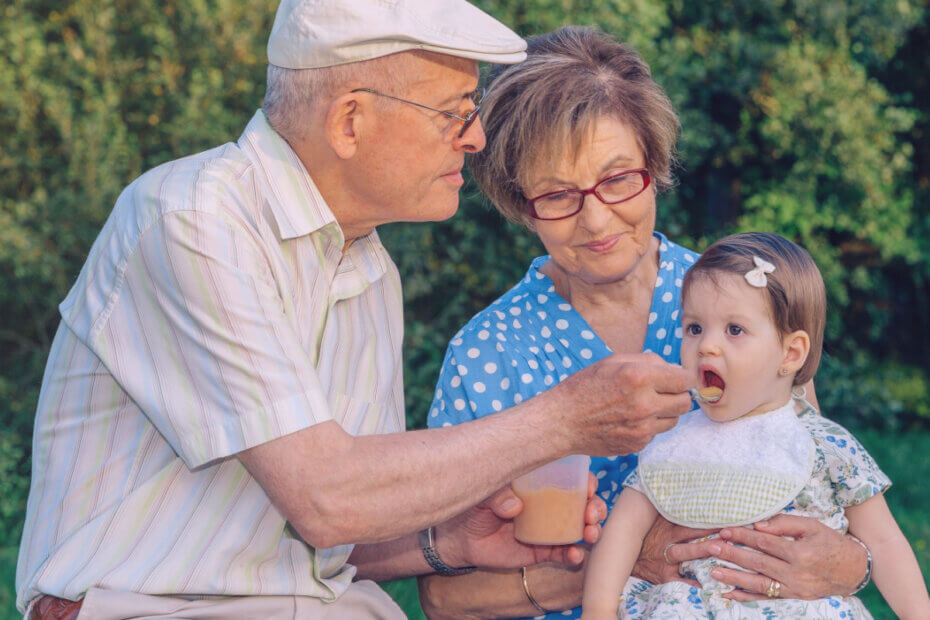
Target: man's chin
440, 210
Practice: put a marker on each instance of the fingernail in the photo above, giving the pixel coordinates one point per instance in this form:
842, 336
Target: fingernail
715, 549
509, 504
716, 574
763, 523
725, 533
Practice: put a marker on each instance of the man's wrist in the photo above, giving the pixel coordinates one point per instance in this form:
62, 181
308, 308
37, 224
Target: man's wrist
440, 554
559, 430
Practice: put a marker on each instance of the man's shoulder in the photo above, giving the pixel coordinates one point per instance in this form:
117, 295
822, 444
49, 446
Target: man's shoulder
216, 183
195, 182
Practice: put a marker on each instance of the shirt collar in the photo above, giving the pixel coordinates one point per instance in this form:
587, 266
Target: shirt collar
295, 201
298, 207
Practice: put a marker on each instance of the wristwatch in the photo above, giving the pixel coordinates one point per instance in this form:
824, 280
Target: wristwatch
427, 542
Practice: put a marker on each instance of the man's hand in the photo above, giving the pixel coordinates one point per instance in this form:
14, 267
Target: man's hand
665, 548
819, 561
619, 404
483, 535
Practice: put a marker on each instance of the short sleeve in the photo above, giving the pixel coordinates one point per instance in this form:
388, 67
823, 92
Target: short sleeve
479, 377
633, 480
198, 337
450, 399
853, 472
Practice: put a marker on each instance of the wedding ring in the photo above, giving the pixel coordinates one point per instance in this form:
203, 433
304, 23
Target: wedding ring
665, 553
774, 590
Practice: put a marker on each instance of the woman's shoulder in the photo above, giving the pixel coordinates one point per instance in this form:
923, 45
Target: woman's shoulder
502, 314
674, 255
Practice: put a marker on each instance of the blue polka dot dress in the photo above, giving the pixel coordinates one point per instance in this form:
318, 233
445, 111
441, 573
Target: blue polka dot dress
531, 338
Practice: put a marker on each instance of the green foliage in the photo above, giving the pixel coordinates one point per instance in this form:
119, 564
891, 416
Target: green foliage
404, 593
887, 396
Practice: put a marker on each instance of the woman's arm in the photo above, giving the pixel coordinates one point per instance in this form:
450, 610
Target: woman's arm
814, 560
894, 567
613, 557
500, 594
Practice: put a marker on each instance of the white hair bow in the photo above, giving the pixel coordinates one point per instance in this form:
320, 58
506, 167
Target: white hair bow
756, 277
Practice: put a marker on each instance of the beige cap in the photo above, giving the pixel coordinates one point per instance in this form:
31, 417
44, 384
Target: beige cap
321, 33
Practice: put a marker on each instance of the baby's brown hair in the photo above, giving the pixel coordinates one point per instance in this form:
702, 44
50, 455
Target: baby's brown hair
795, 291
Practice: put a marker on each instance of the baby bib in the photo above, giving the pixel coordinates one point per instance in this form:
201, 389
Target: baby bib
707, 474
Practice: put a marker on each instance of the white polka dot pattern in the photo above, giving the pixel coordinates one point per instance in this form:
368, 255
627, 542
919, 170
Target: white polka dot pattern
509, 360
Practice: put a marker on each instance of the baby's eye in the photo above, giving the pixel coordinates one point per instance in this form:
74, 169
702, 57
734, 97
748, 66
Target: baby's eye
734, 330
693, 329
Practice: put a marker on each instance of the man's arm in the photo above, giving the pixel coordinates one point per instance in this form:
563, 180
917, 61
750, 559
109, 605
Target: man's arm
337, 489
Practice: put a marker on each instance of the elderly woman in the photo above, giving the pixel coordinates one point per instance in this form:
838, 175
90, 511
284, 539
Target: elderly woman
580, 141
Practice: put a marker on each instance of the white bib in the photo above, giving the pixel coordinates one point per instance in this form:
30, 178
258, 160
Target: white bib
708, 474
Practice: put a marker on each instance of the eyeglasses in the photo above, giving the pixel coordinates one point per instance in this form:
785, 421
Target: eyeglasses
567, 202
467, 121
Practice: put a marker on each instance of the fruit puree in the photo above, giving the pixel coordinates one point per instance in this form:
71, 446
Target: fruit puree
551, 516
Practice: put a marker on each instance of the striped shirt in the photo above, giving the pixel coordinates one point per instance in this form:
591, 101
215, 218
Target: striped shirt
215, 312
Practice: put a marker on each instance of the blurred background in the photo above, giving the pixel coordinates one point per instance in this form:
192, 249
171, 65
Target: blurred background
809, 118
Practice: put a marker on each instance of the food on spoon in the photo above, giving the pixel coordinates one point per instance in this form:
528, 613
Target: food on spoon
709, 394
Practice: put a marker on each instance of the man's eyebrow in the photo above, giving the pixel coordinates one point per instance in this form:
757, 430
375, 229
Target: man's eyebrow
453, 99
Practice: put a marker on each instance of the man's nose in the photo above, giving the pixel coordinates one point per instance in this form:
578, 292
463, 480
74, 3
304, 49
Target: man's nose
473, 140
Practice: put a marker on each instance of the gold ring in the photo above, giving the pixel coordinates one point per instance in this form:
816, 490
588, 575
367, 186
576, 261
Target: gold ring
774, 590
665, 553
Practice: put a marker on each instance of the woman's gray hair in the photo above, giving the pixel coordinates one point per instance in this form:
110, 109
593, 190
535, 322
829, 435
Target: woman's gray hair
536, 110
291, 95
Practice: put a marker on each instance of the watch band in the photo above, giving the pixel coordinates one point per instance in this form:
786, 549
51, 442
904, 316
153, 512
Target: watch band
427, 544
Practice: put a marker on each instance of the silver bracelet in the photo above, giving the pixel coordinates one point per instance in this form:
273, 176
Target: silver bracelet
868, 566
526, 589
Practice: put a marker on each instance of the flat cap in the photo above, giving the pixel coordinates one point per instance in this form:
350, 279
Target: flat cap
308, 34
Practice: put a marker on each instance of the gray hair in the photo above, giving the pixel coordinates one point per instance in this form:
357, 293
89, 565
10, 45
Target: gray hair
292, 95
541, 108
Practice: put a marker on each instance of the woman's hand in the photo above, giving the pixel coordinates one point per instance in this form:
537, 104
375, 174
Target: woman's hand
819, 561
665, 548
483, 535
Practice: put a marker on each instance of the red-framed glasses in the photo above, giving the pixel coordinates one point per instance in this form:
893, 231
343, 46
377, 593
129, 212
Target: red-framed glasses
565, 203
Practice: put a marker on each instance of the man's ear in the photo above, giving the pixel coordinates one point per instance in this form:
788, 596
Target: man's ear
796, 346
343, 125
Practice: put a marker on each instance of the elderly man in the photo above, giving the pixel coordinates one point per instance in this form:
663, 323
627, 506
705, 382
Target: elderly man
220, 428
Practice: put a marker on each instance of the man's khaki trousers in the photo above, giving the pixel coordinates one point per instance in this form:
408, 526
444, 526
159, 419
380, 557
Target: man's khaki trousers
364, 600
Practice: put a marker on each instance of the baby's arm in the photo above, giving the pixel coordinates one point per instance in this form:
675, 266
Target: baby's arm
894, 567
613, 556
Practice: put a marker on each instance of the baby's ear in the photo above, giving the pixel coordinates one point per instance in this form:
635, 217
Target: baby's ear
796, 346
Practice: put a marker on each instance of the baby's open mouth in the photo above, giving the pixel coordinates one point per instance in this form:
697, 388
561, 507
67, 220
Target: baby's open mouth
712, 379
